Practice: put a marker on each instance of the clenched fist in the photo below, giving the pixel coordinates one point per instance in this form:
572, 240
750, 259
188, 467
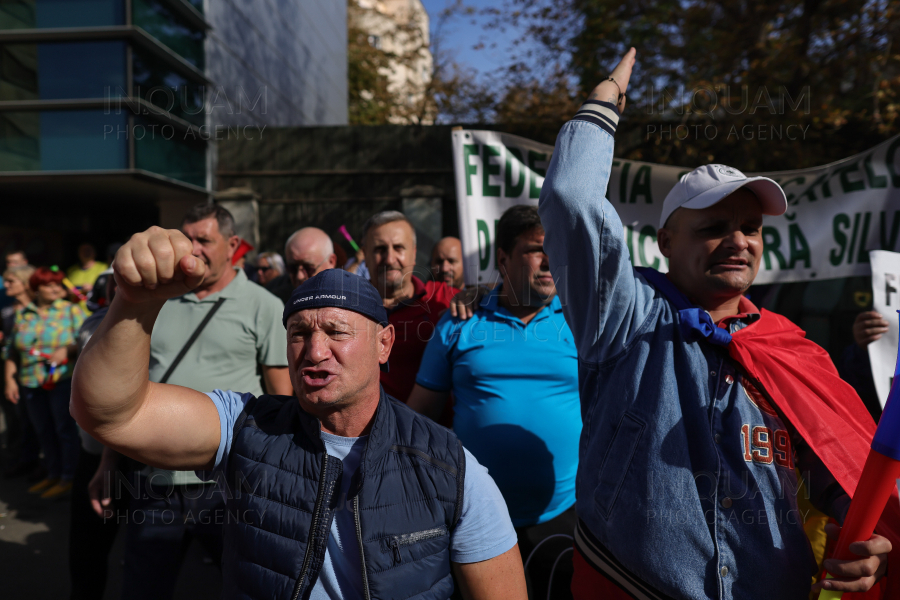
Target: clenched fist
157, 264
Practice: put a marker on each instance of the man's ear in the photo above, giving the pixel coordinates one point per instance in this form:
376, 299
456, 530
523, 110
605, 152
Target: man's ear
367, 252
664, 241
502, 261
332, 260
233, 243
385, 342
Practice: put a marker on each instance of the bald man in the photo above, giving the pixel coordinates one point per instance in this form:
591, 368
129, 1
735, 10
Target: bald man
447, 263
307, 252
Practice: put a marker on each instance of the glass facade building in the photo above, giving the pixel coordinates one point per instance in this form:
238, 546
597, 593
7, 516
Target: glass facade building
104, 85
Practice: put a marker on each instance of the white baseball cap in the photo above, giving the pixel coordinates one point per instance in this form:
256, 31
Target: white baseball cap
709, 184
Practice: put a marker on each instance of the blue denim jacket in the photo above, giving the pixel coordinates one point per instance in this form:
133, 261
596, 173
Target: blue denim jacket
685, 473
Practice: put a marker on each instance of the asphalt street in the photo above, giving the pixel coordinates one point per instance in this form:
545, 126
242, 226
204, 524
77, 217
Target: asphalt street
34, 549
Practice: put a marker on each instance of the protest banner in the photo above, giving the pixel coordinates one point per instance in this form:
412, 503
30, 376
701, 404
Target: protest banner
885, 300
836, 212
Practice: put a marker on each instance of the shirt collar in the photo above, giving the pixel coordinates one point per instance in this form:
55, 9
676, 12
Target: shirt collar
419, 290
232, 290
55, 305
747, 311
491, 302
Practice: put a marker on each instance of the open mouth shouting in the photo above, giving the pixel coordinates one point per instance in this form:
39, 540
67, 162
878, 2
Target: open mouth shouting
314, 377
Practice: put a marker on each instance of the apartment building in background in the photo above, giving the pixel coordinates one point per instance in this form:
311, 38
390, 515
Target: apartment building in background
400, 28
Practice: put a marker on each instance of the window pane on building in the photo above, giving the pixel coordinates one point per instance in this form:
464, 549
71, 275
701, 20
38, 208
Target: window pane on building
169, 152
160, 21
157, 83
81, 70
56, 71
18, 72
40, 14
65, 140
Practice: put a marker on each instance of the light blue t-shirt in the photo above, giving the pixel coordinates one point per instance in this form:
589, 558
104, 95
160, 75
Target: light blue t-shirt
484, 529
516, 406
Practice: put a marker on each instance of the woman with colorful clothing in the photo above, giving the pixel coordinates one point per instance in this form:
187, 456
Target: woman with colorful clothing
21, 439
43, 340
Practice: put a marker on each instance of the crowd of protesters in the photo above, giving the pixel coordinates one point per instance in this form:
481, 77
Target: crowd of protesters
508, 371
505, 380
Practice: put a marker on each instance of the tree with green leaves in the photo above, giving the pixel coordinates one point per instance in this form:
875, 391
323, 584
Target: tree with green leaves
720, 81
389, 64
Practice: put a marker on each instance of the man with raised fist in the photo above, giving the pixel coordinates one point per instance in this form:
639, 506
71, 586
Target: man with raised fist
338, 491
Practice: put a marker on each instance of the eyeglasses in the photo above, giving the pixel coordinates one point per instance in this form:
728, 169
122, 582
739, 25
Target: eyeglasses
308, 268
263, 268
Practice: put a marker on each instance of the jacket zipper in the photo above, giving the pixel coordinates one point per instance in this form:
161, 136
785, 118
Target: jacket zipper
317, 513
362, 553
413, 538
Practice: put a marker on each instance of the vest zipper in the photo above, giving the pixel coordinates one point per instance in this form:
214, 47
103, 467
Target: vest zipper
317, 513
362, 553
395, 544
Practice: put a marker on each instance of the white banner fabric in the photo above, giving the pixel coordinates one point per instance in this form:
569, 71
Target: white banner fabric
885, 300
836, 213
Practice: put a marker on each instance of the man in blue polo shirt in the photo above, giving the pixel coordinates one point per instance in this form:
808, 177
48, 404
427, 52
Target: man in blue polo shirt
513, 371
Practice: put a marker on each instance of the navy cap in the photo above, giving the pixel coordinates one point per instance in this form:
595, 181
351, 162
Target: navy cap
337, 288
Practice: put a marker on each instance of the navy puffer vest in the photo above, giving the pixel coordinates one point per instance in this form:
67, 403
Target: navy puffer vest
407, 497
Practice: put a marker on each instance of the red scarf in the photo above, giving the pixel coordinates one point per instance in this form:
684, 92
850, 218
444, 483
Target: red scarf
799, 378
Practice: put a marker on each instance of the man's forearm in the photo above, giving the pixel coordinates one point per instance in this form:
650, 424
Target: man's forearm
427, 402
111, 379
583, 234
166, 426
278, 381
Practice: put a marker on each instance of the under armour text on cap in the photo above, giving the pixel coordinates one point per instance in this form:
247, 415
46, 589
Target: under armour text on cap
337, 288
710, 184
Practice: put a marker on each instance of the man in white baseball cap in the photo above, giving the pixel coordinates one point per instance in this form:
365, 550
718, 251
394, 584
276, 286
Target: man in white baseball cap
709, 184
711, 232
700, 408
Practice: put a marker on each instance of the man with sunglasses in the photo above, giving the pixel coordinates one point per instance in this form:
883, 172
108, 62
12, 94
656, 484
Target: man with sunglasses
270, 266
307, 252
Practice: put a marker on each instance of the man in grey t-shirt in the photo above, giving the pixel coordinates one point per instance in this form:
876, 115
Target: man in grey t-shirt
242, 339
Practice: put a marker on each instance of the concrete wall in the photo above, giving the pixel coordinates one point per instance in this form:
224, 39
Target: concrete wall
277, 62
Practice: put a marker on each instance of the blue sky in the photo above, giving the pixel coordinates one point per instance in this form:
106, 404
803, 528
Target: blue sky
459, 36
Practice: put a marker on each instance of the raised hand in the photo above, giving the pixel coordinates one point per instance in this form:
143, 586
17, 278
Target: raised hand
157, 264
607, 91
868, 327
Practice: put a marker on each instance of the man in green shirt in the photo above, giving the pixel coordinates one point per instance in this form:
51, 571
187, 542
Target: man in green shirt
243, 339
